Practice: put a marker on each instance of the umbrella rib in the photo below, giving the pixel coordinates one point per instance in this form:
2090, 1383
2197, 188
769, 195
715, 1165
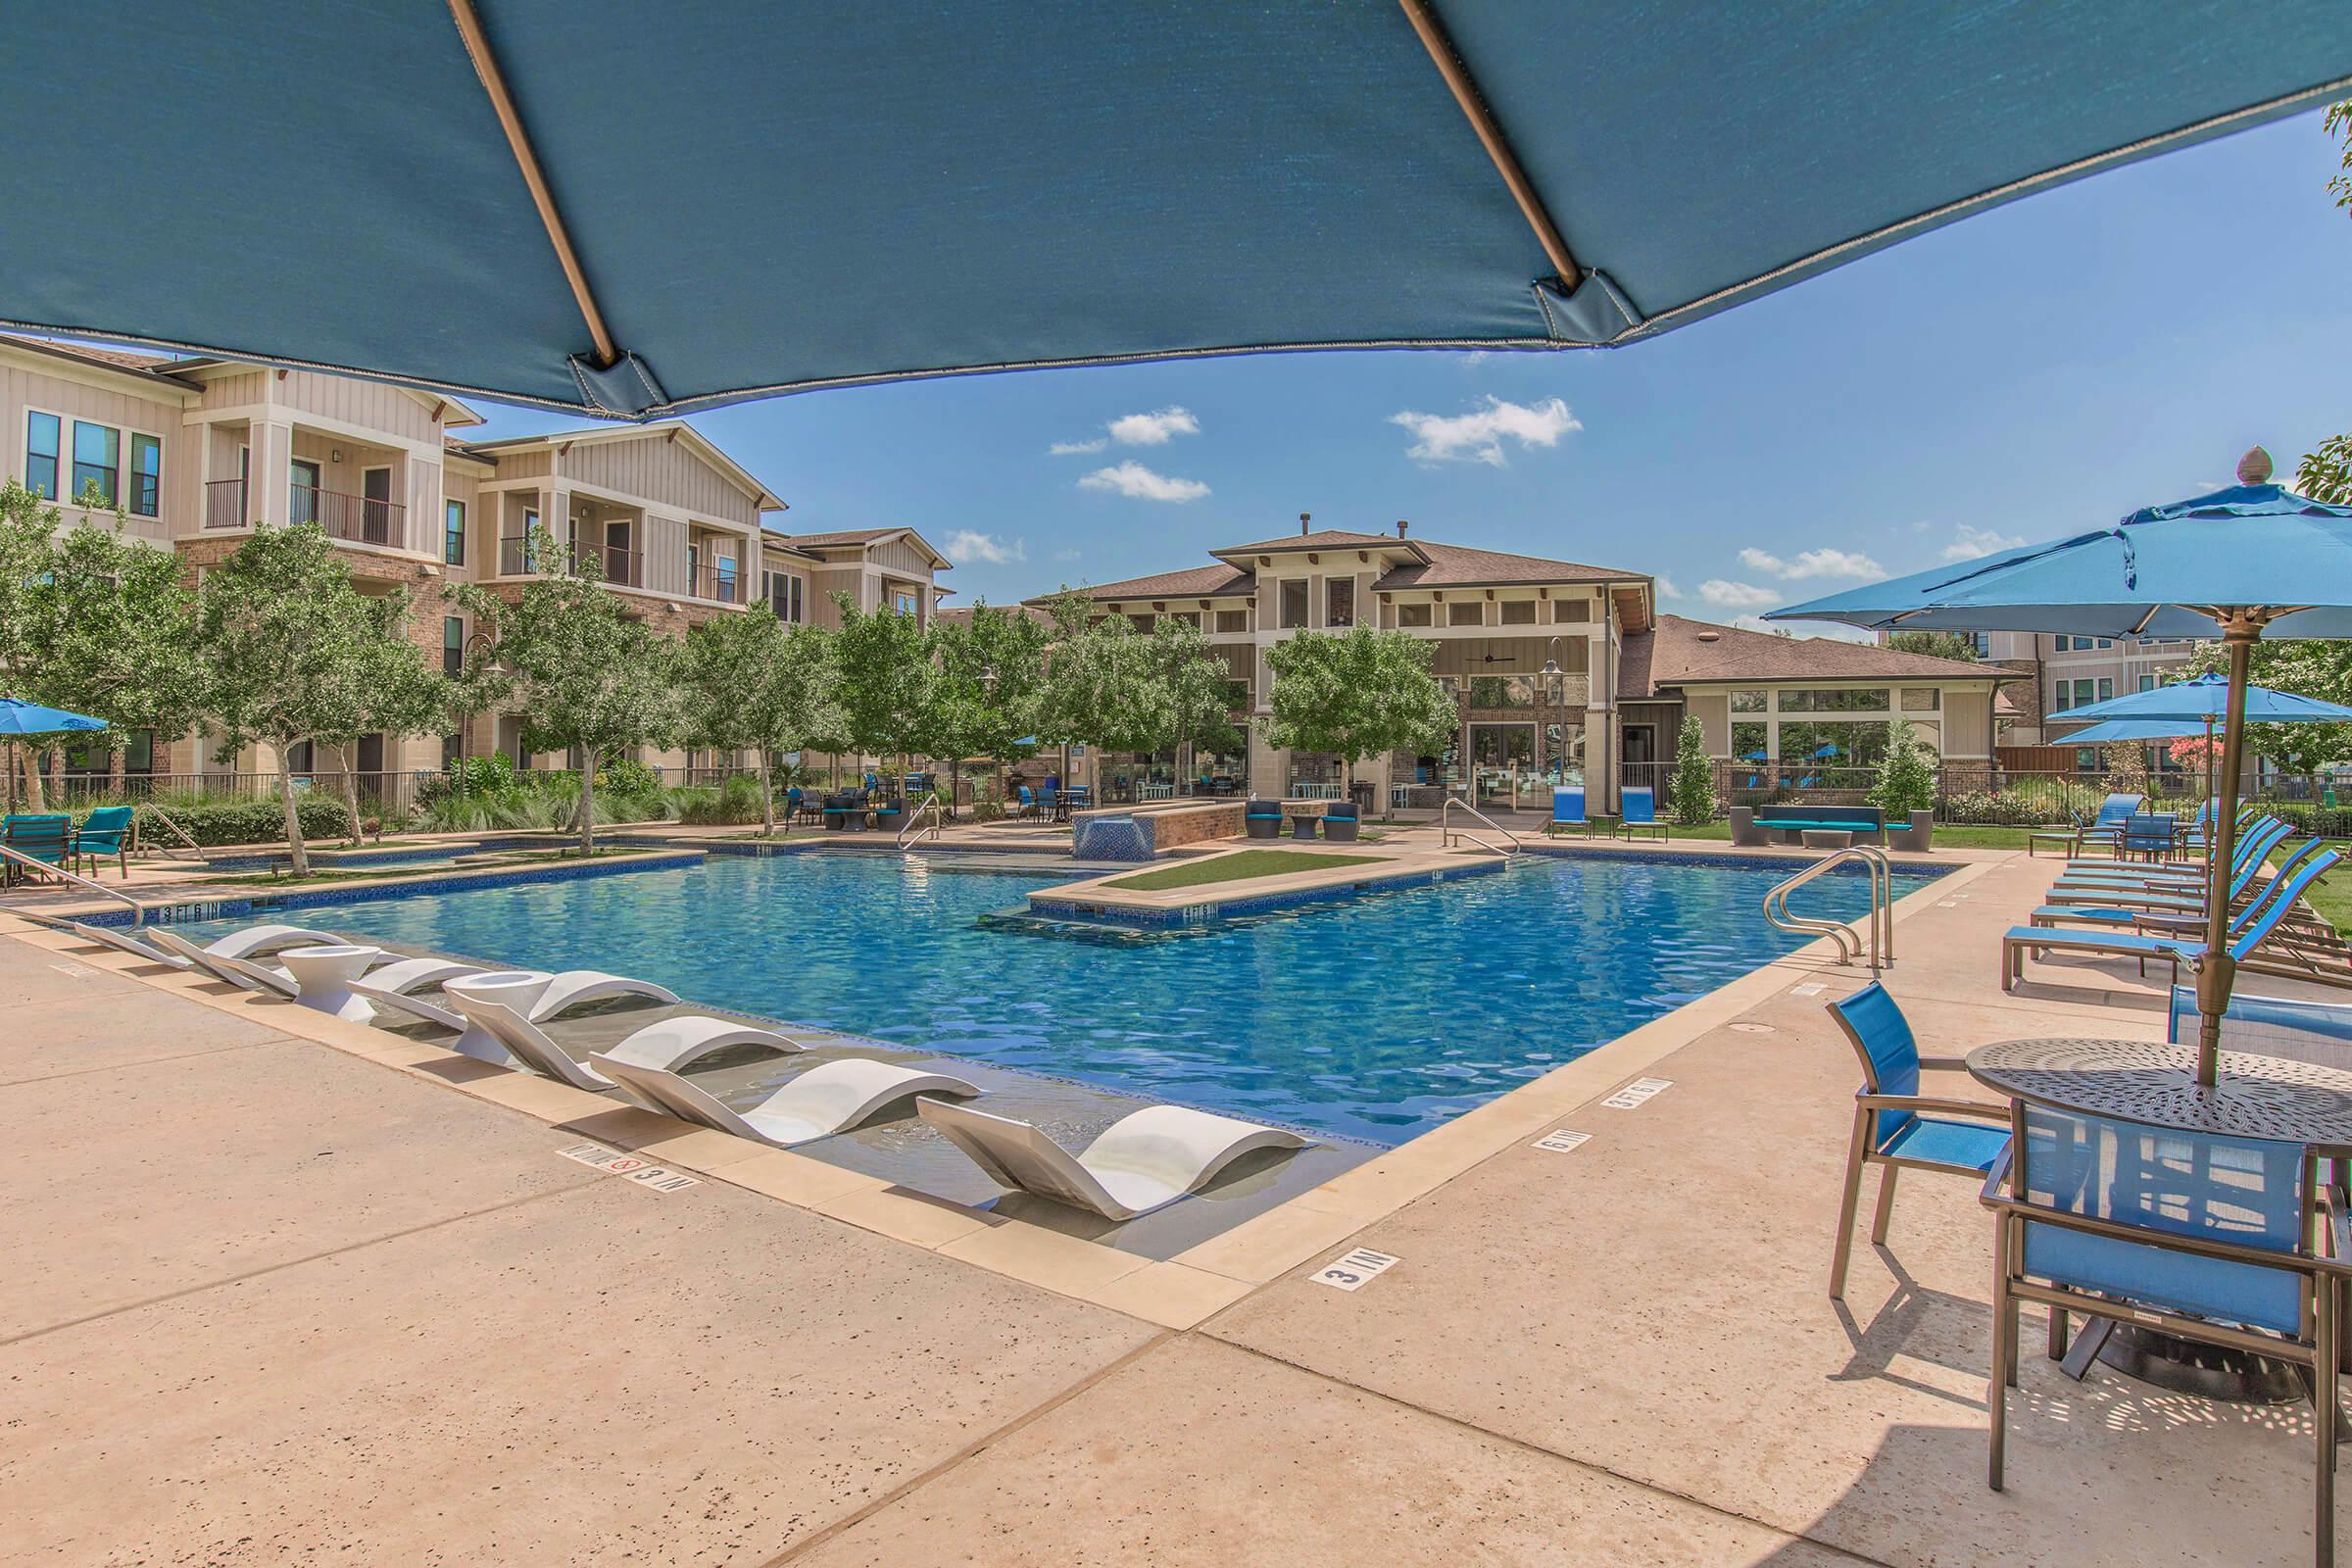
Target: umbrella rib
1473, 103
502, 103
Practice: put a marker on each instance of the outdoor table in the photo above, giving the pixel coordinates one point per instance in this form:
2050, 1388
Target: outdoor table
2156, 1082
323, 977
1303, 821
518, 989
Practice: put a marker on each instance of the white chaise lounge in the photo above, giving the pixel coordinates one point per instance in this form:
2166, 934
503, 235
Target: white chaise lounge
235, 969
251, 943
670, 1045
534, 992
1140, 1162
822, 1101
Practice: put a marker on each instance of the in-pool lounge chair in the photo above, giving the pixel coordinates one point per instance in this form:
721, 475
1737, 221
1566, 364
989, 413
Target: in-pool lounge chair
1143, 1162
227, 967
397, 983
819, 1103
2251, 928
535, 994
254, 942
129, 939
671, 1044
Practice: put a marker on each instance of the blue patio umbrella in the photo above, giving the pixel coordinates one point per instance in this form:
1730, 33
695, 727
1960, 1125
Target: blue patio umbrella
620, 209
2252, 561
2206, 697
31, 718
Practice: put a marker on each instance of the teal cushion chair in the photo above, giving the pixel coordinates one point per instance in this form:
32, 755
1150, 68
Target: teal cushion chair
1895, 1126
106, 831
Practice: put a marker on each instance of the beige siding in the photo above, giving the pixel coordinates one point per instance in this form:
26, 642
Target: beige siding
1967, 723
898, 555
662, 472
825, 583
1714, 711
481, 541
242, 390
527, 464
22, 389
369, 405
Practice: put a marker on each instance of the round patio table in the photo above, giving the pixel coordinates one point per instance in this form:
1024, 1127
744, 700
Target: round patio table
323, 977
2156, 1082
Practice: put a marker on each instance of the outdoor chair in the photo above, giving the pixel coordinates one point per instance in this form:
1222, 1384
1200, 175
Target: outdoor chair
47, 838
671, 1044
1638, 813
822, 1101
1262, 819
2098, 881
2183, 910
1897, 1128
1568, 809
1341, 822
2202, 1236
2104, 826
2149, 836
1024, 802
2249, 931
106, 831
2297, 1029
1143, 1162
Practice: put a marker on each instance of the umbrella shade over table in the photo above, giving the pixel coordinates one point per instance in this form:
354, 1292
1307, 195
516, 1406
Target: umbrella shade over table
31, 718
2207, 697
2252, 561
614, 207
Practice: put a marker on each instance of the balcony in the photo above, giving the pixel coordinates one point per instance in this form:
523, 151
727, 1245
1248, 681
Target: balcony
622, 569
720, 583
357, 519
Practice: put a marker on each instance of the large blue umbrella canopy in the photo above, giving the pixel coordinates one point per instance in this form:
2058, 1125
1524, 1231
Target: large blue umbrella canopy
2252, 561
614, 207
2126, 731
31, 718
2205, 699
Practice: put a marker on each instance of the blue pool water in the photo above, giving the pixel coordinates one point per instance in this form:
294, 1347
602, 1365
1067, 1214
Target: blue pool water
1377, 1018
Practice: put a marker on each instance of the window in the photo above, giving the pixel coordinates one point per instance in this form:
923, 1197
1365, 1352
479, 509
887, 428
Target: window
1187, 618
1982, 640
1231, 620
41, 435
2082, 693
1836, 744
1748, 741
1922, 700
2062, 697
1518, 611
784, 596
1867, 700
1340, 602
2147, 683
452, 749
2106, 688
1140, 622
453, 645
1503, 691
1465, 612
97, 461
906, 602
453, 532
1747, 702
146, 475
1294, 603
1567, 609
1412, 614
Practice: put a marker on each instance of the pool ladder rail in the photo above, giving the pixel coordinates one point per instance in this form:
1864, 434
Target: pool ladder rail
912, 831
1449, 835
138, 910
1851, 944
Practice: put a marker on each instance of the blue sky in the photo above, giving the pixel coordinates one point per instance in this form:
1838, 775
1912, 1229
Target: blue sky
2057, 361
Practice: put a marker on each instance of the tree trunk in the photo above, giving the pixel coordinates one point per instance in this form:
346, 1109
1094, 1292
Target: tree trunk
767, 795
34, 802
118, 771
300, 855
587, 822
351, 788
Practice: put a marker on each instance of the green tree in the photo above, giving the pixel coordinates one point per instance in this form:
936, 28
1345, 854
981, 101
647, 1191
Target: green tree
1690, 793
1200, 689
1935, 645
1103, 685
1357, 693
116, 629
992, 685
752, 683
293, 649
388, 687
2306, 668
1906, 780
588, 676
887, 683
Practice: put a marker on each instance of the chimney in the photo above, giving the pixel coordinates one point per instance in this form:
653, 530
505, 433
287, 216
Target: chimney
1304, 518
1402, 525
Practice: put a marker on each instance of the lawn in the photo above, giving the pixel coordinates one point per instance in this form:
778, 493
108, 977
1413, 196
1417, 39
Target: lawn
1239, 866
2331, 897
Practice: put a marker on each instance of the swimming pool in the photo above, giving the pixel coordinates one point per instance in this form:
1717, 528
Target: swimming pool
1377, 1018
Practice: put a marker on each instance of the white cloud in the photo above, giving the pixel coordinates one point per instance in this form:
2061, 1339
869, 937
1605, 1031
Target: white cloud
1667, 588
1814, 563
1781, 628
1970, 541
1132, 479
1065, 555
1153, 429
1064, 449
1477, 436
966, 546
1724, 594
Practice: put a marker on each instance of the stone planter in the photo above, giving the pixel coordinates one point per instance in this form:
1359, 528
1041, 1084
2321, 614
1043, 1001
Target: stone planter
1917, 836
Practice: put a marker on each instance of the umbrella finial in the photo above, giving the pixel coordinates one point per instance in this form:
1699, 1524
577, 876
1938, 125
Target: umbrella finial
2255, 467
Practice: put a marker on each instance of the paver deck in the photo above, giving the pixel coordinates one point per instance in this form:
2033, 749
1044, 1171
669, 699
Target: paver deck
275, 1301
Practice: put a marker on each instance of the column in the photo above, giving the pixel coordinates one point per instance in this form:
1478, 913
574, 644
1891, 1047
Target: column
266, 496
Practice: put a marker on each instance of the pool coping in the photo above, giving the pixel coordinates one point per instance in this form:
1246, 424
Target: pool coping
1093, 897
1177, 1293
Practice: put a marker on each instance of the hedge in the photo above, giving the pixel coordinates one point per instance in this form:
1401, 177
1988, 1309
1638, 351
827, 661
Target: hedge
259, 821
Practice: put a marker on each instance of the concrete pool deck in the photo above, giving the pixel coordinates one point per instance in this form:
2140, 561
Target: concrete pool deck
293, 1297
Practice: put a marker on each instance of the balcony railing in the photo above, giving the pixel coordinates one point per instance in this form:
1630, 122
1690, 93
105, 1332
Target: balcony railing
721, 583
517, 558
623, 568
361, 519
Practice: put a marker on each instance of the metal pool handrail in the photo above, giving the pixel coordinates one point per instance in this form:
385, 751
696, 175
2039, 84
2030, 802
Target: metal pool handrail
138, 910
158, 813
929, 802
1850, 945
1449, 833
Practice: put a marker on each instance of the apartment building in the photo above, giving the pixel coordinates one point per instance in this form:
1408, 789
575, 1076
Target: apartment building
1553, 665
199, 453
2067, 673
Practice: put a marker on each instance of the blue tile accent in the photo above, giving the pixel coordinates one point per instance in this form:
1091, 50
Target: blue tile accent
232, 906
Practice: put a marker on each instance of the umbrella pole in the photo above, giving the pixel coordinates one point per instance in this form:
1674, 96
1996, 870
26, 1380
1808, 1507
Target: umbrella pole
2215, 967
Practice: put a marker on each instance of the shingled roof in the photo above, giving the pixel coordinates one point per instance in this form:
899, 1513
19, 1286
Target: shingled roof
1460, 566
1680, 652
1322, 539
1194, 582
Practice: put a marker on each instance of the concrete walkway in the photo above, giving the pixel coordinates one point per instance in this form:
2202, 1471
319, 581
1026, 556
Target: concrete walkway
274, 1301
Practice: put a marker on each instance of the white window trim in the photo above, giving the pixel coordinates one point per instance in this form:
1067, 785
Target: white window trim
123, 476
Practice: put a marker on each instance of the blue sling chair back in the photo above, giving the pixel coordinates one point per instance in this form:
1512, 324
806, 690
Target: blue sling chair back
1568, 808
1895, 1126
1637, 811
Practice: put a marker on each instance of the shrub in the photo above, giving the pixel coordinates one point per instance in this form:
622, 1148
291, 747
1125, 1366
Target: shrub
734, 802
1691, 794
261, 820
1906, 780
625, 776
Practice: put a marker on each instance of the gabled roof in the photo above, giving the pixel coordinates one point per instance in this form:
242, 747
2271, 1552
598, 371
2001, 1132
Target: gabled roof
700, 445
1680, 652
1323, 539
843, 538
1194, 582
146, 367
1460, 566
